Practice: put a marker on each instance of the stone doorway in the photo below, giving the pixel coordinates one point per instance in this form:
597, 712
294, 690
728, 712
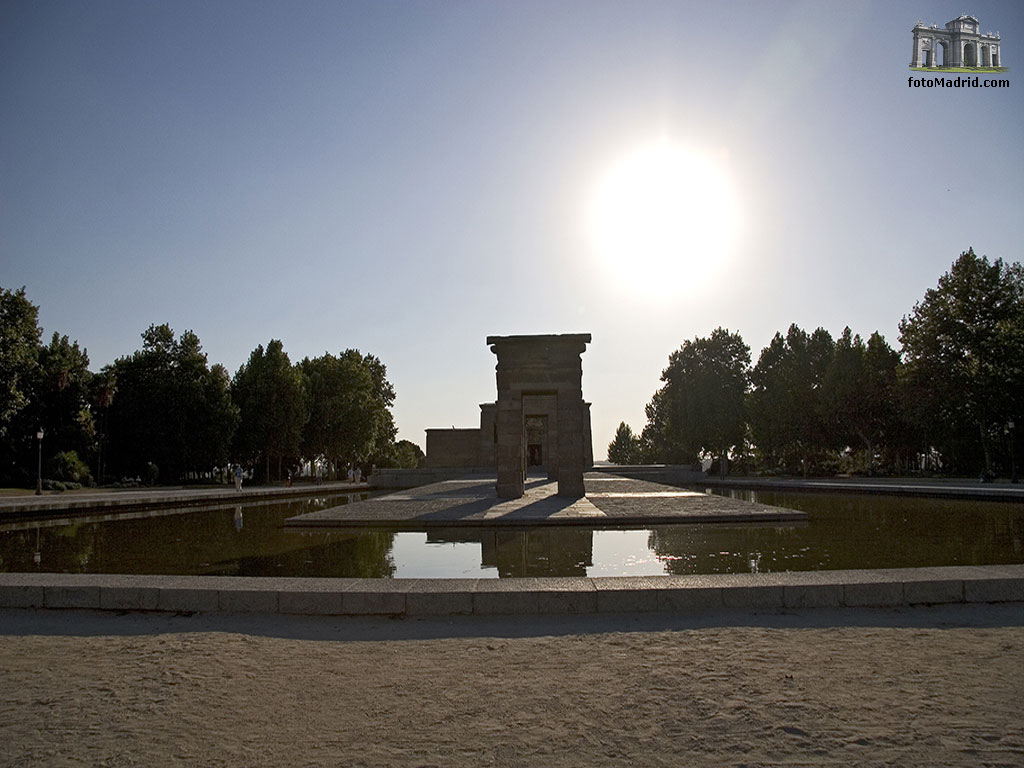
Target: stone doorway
535, 455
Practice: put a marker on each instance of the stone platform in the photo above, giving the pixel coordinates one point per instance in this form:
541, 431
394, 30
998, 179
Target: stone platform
610, 501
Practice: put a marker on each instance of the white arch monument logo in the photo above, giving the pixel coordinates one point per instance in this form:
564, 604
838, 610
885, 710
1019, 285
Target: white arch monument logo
959, 45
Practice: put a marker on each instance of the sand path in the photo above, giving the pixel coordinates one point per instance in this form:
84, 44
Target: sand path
920, 687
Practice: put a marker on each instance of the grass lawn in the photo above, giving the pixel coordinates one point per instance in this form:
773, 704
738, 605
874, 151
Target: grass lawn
973, 70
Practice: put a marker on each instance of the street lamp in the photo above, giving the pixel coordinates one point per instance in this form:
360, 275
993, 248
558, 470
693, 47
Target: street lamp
39, 466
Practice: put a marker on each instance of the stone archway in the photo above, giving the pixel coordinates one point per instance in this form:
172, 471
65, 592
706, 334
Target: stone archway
970, 58
959, 44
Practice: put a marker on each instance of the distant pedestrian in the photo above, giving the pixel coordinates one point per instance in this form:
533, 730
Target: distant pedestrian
238, 477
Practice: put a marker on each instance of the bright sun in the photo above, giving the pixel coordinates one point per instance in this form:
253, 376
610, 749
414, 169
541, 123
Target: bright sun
664, 219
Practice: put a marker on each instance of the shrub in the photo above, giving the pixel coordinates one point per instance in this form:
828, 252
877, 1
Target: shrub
68, 467
60, 485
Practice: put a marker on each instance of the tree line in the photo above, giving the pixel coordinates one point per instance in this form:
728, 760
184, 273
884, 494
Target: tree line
951, 401
165, 414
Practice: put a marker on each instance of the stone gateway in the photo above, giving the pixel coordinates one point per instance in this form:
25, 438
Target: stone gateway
539, 422
961, 44
540, 405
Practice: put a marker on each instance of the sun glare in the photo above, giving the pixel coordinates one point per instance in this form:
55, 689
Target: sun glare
664, 219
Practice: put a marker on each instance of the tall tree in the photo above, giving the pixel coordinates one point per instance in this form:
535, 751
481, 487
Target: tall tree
104, 388
19, 359
62, 400
271, 399
349, 401
172, 412
963, 349
700, 409
625, 447
787, 414
859, 393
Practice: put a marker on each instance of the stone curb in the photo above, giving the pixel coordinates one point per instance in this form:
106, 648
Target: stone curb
18, 507
936, 490
522, 596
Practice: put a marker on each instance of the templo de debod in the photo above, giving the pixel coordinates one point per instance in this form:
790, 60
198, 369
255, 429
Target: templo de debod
961, 43
539, 420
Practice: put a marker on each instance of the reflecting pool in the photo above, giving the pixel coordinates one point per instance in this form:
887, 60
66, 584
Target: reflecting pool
843, 531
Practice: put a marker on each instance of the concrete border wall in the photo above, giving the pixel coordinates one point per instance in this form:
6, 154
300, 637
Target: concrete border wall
666, 474
448, 597
397, 479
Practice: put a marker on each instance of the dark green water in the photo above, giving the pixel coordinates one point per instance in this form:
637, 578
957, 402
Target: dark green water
844, 531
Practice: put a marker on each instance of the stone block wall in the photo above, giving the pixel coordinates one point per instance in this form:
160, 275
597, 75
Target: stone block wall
453, 448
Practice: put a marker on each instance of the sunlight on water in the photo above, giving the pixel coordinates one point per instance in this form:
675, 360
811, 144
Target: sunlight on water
624, 553
416, 557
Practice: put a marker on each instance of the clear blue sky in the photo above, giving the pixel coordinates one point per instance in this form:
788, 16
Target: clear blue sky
407, 178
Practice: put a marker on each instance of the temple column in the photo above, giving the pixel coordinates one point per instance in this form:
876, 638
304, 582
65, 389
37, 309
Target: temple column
510, 451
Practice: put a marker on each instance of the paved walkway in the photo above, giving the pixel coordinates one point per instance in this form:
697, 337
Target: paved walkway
16, 507
610, 501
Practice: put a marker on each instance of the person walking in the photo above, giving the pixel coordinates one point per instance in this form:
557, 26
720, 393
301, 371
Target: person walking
238, 477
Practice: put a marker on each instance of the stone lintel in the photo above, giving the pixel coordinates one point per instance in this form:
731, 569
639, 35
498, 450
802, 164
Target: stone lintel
579, 338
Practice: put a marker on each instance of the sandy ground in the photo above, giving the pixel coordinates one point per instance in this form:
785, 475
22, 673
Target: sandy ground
923, 687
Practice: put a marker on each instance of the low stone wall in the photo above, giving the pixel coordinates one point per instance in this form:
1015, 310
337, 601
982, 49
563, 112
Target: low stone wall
397, 479
667, 474
714, 593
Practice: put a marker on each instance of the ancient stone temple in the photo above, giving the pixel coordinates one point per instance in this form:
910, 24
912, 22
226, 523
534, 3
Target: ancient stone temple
540, 399
539, 422
961, 44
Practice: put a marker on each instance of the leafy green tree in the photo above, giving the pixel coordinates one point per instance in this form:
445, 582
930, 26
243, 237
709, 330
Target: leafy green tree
383, 398
625, 447
700, 409
271, 397
349, 401
172, 410
860, 395
104, 387
788, 415
62, 397
407, 455
963, 352
19, 359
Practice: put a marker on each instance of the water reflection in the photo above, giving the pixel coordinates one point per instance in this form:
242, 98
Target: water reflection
842, 532
526, 552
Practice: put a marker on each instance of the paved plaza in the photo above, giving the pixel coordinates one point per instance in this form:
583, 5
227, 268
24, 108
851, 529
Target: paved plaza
609, 500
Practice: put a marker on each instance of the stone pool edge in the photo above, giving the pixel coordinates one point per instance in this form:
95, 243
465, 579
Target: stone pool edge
697, 594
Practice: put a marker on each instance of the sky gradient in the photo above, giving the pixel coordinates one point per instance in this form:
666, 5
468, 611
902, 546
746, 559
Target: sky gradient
407, 178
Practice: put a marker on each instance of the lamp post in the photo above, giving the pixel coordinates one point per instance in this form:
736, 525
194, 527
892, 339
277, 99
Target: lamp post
39, 466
